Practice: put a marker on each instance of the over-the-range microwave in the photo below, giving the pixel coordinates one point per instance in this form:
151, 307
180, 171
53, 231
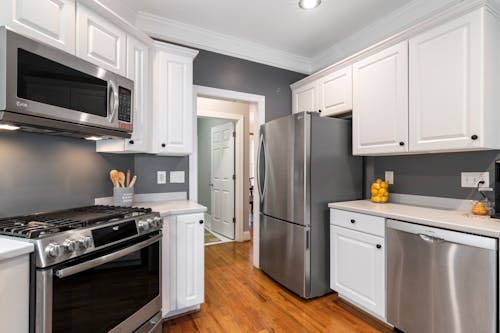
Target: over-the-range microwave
43, 89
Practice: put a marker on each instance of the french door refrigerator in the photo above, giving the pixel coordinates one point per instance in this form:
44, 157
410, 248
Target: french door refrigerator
304, 162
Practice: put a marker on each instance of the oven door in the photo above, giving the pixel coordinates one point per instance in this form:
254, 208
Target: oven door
114, 291
46, 82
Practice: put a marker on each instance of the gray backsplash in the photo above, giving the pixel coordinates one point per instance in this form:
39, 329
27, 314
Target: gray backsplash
432, 174
146, 167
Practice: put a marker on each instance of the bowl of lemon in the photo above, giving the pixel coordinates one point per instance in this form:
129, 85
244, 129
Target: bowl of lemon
380, 191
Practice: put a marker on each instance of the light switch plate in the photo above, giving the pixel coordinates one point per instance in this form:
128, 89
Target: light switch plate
389, 177
471, 179
161, 177
177, 177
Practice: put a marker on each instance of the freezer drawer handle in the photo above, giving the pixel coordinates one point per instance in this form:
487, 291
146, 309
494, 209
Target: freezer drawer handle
430, 239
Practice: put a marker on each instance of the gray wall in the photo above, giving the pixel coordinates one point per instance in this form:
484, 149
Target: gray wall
42, 172
204, 160
432, 174
146, 167
225, 72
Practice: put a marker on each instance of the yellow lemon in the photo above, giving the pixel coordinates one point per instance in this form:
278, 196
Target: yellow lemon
374, 191
384, 185
378, 181
382, 191
376, 198
375, 186
384, 199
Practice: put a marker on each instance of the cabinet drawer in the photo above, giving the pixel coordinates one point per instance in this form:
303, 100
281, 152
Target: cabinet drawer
361, 222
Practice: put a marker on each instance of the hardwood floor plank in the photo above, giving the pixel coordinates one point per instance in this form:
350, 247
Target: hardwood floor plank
241, 298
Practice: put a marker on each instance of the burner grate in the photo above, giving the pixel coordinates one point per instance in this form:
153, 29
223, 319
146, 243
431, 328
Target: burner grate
38, 225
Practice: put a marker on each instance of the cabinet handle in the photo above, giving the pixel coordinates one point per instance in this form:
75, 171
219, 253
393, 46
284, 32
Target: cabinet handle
201, 221
474, 137
163, 145
353, 221
131, 142
401, 143
379, 246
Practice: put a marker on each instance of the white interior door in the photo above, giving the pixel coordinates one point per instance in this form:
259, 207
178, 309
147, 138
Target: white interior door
222, 179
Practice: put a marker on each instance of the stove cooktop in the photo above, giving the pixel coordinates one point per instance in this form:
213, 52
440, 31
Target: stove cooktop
35, 226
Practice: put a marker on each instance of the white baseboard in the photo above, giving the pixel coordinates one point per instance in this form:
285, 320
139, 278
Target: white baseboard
246, 235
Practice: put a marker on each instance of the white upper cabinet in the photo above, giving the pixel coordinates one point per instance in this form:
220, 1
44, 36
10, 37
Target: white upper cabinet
335, 92
447, 85
99, 41
138, 70
380, 102
49, 21
305, 98
173, 99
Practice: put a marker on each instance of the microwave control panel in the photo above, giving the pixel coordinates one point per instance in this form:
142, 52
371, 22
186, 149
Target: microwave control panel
124, 104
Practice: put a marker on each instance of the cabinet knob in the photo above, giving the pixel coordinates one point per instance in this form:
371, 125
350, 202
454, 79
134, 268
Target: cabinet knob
319, 110
474, 137
163, 145
353, 221
379, 246
131, 142
401, 143
201, 221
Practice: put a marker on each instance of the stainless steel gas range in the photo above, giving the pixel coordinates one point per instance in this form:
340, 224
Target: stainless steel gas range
95, 269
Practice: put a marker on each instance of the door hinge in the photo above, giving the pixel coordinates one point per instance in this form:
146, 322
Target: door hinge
234, 134
234, 177
234, 219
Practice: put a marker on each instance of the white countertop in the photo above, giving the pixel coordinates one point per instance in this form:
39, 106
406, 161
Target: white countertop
11, 248
173, 207
440, 218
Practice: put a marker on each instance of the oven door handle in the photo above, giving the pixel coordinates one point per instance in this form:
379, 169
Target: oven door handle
71, 270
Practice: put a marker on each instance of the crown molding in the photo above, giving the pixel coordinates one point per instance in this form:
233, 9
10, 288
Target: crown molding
193, 36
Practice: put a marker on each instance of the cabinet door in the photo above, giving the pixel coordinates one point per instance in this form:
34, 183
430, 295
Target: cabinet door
138, 71
358, 268
335, 92
49, 21
173, 104
380, 102
445, 86
305, 98
190, 260
99, 41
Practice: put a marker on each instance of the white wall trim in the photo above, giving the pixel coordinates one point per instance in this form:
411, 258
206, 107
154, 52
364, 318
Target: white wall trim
193, 36
239, 193
260, 118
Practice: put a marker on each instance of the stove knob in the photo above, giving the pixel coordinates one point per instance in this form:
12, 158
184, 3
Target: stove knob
84, 243
69, 245
53, 250
157, 221
150, 223
143, 226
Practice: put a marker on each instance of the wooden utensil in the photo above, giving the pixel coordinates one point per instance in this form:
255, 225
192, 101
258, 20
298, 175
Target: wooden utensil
127, 183
113, 175
121, 179
132, 183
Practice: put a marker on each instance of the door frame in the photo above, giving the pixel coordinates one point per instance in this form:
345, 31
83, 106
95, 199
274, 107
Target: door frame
260, 119
239, 183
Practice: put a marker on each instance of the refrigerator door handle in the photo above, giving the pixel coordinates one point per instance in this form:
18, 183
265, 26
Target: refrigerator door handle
261, 158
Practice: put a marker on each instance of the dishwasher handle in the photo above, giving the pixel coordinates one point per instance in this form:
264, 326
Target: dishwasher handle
431, 239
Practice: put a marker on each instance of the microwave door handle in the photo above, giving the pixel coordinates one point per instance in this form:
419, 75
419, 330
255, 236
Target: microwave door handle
71, 270
113, 100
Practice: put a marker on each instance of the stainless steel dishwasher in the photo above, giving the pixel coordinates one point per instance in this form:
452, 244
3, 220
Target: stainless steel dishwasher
440, 281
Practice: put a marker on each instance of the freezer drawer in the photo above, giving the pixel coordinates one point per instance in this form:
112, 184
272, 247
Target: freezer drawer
440, 280
284, 253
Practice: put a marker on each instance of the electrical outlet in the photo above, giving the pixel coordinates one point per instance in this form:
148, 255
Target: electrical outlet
161, 177
389, 177
471, 179
177, 177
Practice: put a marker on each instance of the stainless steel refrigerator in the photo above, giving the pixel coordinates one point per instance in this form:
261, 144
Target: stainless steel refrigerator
304, 162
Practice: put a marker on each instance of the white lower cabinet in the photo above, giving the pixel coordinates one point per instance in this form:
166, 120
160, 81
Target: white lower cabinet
183, 263
357, 268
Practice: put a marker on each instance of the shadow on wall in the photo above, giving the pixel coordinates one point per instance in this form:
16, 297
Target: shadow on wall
436, 175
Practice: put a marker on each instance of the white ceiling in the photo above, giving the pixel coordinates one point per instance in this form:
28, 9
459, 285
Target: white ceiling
279, 24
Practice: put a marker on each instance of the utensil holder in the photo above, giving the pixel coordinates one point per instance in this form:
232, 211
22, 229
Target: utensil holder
123, 196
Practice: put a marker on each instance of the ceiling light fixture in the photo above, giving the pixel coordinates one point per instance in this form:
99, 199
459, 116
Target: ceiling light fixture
309, 4
9, 127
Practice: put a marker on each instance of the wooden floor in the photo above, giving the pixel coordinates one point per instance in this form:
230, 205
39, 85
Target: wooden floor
240, 298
